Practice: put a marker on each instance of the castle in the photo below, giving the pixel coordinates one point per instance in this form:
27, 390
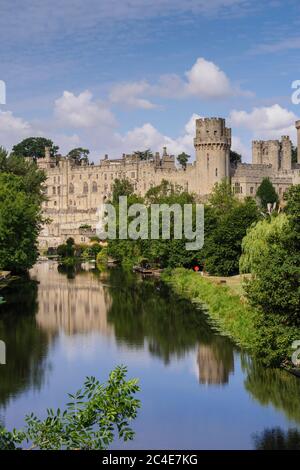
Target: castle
75, 192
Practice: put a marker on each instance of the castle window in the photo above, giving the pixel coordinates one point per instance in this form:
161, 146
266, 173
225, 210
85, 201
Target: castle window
251, 190
105, 176
55, 203
70, 203
54, 180
71, 188
237, 188
280, 190
58, 179
216, 171
54, 190
58, 190
94, 187
85, 188
132, 174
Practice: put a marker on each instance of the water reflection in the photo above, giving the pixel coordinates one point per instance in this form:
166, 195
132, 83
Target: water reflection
273, 386
55, 309
277, 439
26, 344
73, 306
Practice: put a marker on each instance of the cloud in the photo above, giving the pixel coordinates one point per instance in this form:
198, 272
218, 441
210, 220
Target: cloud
128, 94
292, 43
205, 80
81, 111
12, 129
265, 122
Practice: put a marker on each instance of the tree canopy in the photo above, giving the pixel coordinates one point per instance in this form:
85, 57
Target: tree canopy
266, 193
34, 147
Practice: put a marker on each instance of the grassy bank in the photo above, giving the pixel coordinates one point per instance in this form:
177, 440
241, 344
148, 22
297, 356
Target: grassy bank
232, 316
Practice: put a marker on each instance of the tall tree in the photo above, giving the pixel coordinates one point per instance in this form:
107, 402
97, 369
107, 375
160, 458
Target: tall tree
235, 158
79, 155
34, 147
182, 159
266, 193
20, 223
121, 187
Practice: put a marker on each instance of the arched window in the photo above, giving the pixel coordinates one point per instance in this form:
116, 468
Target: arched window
71, 188
85, 188
94, 187
216, 171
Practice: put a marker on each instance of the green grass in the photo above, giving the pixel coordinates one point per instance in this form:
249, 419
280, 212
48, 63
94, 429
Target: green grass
233, 316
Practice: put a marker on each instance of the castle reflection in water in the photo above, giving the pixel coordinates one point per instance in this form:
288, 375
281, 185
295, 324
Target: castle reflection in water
78, 305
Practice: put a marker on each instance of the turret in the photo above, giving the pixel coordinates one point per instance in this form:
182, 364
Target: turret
212, 145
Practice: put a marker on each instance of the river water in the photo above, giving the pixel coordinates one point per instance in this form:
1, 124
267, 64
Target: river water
198, 391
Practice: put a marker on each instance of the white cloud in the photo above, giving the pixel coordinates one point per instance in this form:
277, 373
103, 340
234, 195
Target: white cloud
81, 111
12, 129
206, 80
129, 94
266, 122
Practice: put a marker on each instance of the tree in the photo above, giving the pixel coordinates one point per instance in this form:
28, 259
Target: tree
235, 158
34, 147
222, 198
222, 247
90, 421
79, 155
182, 159
275, 285
144, 154
32, 177
294, 154
20, 223
266, 193
121, 187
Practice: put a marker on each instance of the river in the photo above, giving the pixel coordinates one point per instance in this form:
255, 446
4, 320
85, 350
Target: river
198, 391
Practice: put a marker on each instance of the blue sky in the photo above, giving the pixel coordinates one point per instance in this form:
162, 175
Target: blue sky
116, 76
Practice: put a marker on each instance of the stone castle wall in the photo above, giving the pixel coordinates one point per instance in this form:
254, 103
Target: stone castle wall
75, 192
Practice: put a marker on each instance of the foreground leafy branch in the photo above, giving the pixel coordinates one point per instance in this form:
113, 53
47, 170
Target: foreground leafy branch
91, 419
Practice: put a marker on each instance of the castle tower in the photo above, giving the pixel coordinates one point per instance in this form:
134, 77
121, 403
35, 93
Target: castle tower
212, 146
298, 141
257, 152
286, 153
45, 163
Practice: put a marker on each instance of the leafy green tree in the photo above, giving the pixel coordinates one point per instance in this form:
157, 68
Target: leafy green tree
144, 154
266, 193
275, 286
32, 177
222, 247
183, 158
235, 158
20, 223
222, 198
34, 147
121, 187
79, 155
92, 418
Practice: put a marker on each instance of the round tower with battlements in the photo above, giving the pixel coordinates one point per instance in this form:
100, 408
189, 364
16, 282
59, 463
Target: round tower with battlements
212, 145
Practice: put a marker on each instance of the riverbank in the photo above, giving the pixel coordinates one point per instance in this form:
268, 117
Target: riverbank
232, 316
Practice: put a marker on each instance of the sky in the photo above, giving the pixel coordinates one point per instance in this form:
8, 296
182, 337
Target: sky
116, 76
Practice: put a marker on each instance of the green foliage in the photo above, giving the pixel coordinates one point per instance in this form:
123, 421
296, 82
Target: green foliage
65, 250
275, 263
102, 258
182, 159
259, 239
222, 198
266, 193
79, 156
92, 418
222, 248
144, 154
121, 187
294, 154
20, 222
92, 251
34, 147
235, 158
32, 177
265, 338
